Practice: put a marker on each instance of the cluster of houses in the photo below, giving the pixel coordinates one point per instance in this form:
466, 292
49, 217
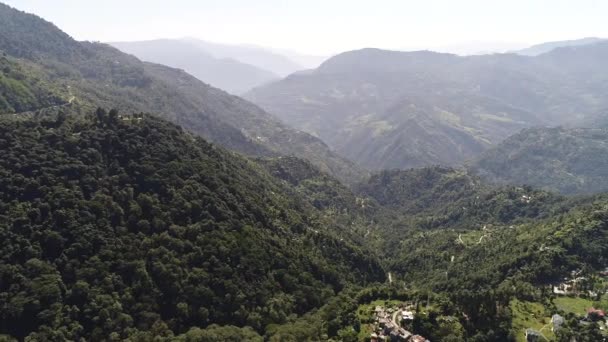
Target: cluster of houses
526, 199
568, 286
571, 286
577, 285
135, 117
388, 327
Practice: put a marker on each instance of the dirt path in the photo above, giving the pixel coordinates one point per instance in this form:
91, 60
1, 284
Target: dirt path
394, 317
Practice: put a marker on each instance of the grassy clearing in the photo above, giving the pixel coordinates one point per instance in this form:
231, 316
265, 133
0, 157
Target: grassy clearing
575, 305
530, 315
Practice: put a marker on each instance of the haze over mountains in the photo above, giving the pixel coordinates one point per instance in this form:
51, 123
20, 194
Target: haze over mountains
277, 61
234, 68
389, 109
539, 49
228, 74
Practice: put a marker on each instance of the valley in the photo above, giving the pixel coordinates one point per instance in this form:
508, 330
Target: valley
381, 196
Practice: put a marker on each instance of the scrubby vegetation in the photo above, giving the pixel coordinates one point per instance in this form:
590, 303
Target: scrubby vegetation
22, 89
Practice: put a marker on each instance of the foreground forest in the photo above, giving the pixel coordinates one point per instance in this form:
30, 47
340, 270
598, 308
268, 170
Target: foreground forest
127, 227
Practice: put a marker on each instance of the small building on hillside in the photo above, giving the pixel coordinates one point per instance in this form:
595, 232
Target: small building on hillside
569, 286
533, 335
595, 315
418, 338
407, 316
382, 322
557, 322
400, 335
388, 327
404, 334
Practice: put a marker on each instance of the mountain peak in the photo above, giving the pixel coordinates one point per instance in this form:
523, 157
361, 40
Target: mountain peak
374, 59
26, 35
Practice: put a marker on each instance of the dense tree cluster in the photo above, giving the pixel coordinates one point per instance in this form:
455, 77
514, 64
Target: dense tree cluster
454, 198
125, 225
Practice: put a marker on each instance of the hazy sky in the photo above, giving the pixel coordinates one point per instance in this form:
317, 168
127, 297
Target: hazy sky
329, 26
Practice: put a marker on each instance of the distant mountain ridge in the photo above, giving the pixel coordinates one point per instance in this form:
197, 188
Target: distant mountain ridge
391, 109
234, 68
260, 57
224, 73
539, 49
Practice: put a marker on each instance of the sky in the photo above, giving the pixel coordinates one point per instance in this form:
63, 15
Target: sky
325, 27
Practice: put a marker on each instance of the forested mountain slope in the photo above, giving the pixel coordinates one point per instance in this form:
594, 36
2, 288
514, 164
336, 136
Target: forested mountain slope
99, 75
127, 226
485, 246
455, 192
486, 272
216, 238
439, 198
24, 90
467, 235
571, 161
390, 109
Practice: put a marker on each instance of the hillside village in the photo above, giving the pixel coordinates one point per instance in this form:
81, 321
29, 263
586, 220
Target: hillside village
390, 324
580, 291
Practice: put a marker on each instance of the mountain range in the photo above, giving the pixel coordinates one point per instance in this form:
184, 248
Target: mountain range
389, 109
539, 49
227, 74
274, 61
234, 68
97, 74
